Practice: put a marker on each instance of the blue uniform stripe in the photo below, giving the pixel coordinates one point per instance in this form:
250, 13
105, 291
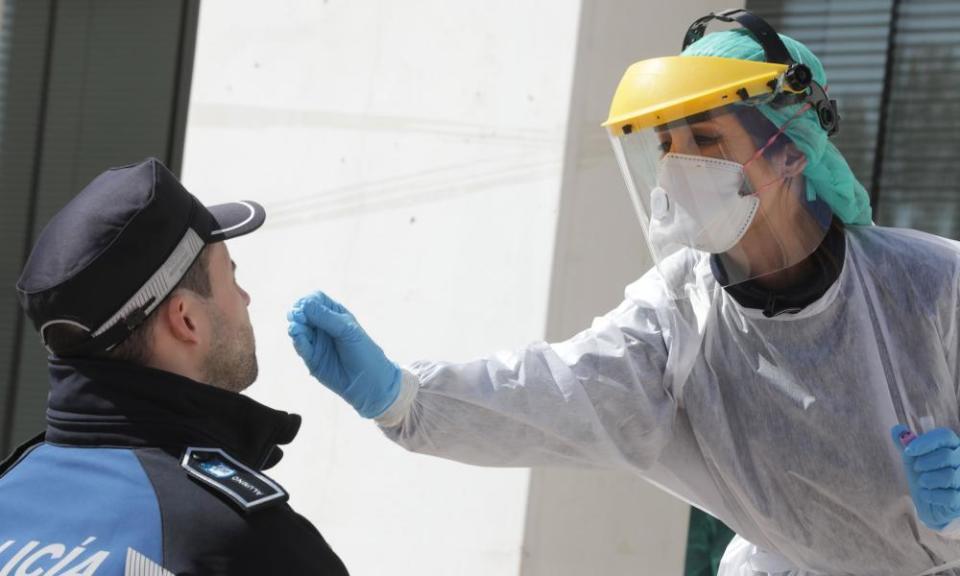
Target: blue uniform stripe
72, 511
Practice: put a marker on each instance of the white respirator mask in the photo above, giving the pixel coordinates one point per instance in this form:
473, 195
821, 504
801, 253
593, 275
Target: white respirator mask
700, 202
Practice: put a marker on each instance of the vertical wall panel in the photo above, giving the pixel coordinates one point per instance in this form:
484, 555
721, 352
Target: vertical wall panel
920, 176
26, 40
116, 90
583, 521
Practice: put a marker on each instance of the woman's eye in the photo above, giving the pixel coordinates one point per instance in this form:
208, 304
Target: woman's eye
705, 140
664, 147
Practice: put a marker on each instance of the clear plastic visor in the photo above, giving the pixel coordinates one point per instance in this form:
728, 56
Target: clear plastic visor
725, 183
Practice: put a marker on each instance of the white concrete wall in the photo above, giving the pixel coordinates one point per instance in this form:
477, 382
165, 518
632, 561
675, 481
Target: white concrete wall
424, 161
587, 522
409, 155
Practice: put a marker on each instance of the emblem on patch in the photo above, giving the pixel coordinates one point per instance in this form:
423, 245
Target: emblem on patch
242, 485
218, 469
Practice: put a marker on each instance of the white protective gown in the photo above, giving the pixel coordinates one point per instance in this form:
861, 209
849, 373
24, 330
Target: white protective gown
778, 426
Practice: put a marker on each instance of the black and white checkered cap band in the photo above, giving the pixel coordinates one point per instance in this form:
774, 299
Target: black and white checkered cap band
162, 281
154, 290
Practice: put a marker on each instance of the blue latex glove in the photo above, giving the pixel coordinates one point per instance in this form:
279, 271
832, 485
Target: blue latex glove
342, 356
932, 464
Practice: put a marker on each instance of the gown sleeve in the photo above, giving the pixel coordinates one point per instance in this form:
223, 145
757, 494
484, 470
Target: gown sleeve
595, 400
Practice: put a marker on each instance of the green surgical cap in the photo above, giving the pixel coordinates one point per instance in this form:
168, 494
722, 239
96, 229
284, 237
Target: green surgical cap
827, 174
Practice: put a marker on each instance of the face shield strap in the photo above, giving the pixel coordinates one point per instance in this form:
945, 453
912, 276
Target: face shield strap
798, 77
773, 47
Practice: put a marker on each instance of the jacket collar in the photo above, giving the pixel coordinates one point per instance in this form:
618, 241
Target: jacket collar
109, 403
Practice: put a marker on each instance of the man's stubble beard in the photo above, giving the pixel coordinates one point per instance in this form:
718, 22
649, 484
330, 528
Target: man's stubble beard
232, 362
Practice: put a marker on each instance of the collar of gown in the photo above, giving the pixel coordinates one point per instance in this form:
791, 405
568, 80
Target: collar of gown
827, 262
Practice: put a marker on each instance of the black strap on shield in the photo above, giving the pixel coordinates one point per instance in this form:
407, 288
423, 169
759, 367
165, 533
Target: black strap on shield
798, 76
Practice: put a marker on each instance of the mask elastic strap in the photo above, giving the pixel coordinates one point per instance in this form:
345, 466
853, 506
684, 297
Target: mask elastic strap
770, 142
773, 138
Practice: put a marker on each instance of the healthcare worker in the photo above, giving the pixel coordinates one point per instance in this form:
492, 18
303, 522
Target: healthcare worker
786, 366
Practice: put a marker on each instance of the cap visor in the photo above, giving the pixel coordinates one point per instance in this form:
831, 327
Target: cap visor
236, 219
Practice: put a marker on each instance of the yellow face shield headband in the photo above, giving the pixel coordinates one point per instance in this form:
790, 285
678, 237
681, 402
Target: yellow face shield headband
663, 90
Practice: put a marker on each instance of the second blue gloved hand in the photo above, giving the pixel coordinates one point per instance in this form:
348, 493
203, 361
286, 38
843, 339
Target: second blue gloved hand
932, 464
342, 356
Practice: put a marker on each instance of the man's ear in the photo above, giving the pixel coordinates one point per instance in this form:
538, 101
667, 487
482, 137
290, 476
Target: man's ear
793, 161
183, 317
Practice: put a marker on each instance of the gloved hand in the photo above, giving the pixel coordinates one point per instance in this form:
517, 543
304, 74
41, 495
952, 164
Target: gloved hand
341, 356
932, 464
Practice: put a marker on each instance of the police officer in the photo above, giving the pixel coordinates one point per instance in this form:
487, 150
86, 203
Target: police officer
151, 462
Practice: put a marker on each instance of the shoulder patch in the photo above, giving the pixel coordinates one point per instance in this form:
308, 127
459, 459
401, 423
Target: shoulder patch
245, 487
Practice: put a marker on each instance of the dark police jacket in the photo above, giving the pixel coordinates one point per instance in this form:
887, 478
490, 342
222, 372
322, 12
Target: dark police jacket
143, 472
